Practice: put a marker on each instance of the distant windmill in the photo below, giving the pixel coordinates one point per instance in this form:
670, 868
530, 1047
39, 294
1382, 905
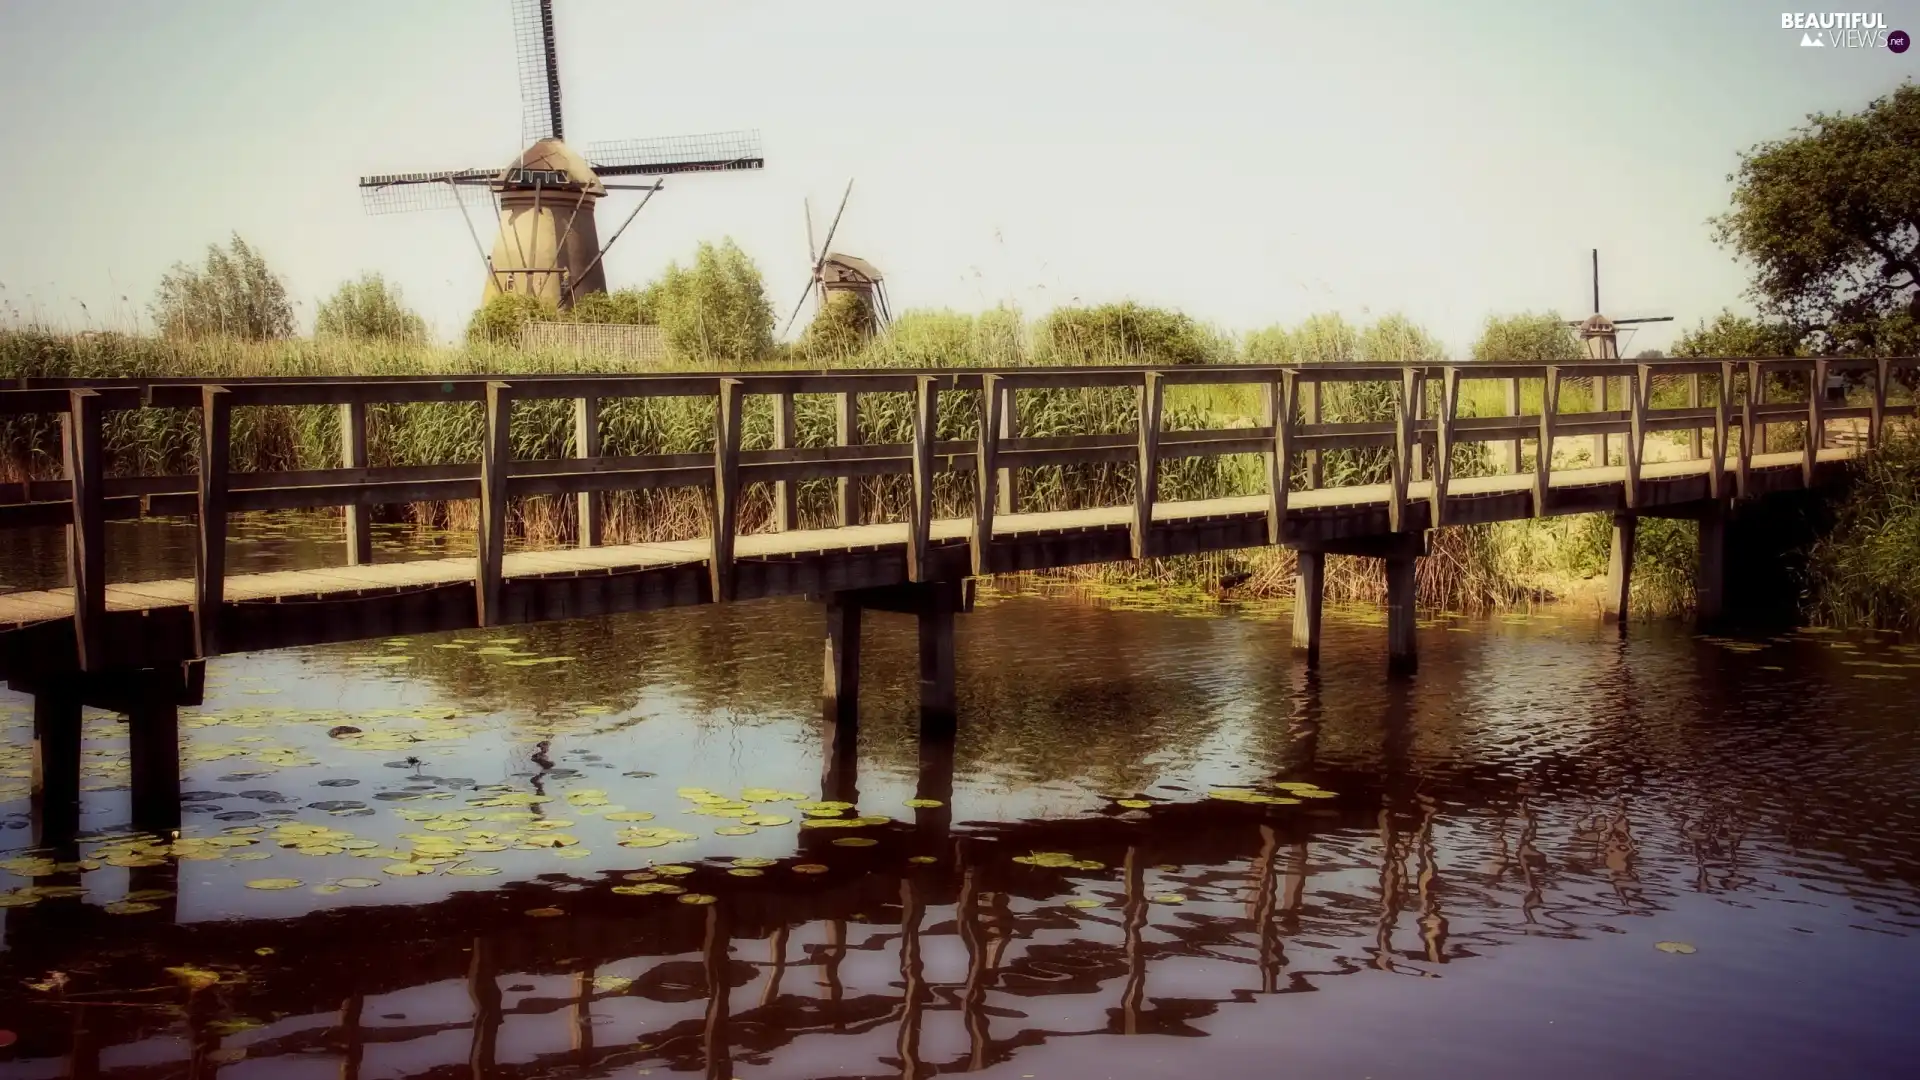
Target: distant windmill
836, 273
1600, 333
548, 245
1602, 338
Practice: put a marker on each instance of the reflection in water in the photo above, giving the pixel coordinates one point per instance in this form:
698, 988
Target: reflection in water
1510, 832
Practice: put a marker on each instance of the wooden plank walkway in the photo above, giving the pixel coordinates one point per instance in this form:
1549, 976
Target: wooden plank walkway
20, 609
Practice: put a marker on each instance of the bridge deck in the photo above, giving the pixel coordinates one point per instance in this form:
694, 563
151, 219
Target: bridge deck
369, 581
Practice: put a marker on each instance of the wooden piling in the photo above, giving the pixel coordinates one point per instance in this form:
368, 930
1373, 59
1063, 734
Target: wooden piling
586, 444
1617, 601
153, 736
1401, 653
56, 765
1309, 591
353, 455
840, 677
938, 708
1710, 576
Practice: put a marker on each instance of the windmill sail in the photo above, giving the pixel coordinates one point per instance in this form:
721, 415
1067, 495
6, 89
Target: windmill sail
539, 71
717, 150
447, 189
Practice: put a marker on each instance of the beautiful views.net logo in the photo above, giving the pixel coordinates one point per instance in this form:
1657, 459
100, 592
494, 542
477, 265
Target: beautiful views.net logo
1844, 30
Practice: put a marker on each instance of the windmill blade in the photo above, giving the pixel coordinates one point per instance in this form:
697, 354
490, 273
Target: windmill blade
1643, 319
812, 282
807, 206
713, 151
539, 70
820, 260
395, 193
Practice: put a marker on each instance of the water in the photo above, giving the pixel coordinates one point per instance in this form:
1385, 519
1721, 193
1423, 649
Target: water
1510, 834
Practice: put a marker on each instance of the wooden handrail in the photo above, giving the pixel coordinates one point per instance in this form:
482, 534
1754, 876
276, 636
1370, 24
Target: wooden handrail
1725, 426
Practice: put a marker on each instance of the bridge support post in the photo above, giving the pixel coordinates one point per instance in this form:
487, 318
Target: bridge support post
1308, 594
1620, 570
56, 765
938, 707
153, 731
1710, 578
1401, 655
840, 679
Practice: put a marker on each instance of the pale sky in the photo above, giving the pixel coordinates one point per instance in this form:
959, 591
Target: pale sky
1249, 163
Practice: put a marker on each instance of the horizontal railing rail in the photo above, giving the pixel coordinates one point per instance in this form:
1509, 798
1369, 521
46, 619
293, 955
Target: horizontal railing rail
1730, 403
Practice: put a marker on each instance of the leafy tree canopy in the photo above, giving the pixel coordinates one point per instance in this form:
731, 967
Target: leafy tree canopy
715, 310
1739, 335
1830, 218
1528, 336
233, 294
1126, 333
499, 319
627, 307
368, 308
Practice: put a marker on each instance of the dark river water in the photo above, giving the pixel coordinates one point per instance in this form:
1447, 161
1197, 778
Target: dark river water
1159, 847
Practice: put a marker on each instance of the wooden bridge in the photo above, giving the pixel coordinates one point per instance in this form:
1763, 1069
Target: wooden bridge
135, 647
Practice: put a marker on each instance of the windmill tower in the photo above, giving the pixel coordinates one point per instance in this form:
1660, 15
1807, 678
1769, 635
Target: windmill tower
1601, 335
835, 273
548, 244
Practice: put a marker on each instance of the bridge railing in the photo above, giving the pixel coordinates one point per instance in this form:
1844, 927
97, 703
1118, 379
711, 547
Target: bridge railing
1293, 435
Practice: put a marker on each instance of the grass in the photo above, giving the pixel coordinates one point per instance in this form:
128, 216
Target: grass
1471, 568
1865, 573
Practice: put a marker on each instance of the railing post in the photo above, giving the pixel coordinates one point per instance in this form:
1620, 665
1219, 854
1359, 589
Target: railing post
1442, 471
987, 473
586, 445
87, 536
1602, 452
1757, 394
846, 489
1717, 468
1403, 439
1693, 402
1748, 430
1009, 429
1816, 423
1312, 407
1146, 485
1543, 459
1513, 409
786, 503
353, 455
1882, 373
1281, 397
726, 487
1639, 386
496, 461
926, 425
210, 555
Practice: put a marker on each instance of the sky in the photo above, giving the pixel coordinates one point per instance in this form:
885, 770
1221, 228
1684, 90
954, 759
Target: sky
1249, 163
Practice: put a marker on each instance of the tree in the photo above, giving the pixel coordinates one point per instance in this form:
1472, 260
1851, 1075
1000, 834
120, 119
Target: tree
1517, 338
626, 307
839, 328
233, 295
369, 309
1126, 333
499, 319
1830, 218
1738, 335
715, 310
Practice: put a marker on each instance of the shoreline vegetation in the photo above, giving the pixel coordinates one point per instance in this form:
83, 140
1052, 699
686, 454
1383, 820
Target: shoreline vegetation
1472, 568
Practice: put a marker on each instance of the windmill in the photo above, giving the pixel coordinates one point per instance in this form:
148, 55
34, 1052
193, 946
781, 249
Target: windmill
1601, 336
835, 273
548, 245
1600, 333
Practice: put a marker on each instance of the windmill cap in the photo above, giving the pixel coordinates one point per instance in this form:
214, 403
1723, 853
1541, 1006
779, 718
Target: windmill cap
837, 268
550, 163
1596, 324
